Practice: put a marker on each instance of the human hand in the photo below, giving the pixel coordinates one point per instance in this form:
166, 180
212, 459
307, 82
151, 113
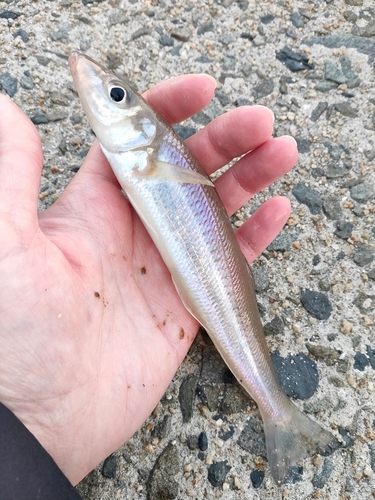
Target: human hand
91, 327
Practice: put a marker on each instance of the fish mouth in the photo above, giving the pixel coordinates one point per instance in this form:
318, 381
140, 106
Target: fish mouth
77, 59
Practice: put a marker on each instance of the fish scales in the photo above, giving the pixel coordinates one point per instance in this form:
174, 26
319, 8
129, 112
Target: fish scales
184, 216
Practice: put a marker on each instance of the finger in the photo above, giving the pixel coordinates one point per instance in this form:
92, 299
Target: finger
231, 135
178, 98
255, 171
264, 225
21, 161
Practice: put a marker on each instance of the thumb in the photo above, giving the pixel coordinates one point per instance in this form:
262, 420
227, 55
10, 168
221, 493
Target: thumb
21, 161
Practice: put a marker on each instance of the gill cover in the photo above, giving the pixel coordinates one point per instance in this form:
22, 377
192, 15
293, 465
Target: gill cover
118, 115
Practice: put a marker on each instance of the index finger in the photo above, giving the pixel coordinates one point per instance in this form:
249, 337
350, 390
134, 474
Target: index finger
231, 135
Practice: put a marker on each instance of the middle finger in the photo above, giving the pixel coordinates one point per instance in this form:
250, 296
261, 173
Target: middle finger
255, 171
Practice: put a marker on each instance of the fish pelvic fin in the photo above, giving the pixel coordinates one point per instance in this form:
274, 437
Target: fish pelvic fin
294, 437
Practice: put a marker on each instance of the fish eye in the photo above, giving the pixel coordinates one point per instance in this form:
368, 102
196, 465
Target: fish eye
117, 94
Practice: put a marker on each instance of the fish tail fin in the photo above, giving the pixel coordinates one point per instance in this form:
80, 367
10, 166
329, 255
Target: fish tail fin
291, 439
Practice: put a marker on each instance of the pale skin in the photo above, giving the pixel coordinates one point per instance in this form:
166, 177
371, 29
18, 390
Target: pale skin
91, 327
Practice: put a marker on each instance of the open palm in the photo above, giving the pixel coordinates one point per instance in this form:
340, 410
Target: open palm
91, 328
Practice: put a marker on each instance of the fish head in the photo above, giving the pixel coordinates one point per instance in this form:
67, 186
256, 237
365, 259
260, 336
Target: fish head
118, 115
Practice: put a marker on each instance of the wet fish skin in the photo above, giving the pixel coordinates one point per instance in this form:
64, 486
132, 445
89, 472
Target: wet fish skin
183, 214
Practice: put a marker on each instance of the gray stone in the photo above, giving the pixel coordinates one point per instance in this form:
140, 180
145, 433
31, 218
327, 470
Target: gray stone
143, 31
308, 197
303, 145
318, 111
267, 19
320, 479
350, 16
263, 89
181, 33
297, 374
43, 60
294, 475
274, 327
217, 472
371, 274
109, 468
324, 285
351, 79
176, 50
252, 438
26, 82
363, 45
257, 477
316, 304
325, 86
8, 14
362, 193
332, 72
210, 112
204, 60
202, 441
226, 39
319, 405
60, 99
346, 109
61, 34
296, 19
205, 28
162, 484
56, 115
293, 60
8, 83
166, 41
247, 69
261, 279
213, 367
327, 354
222, 98
365, 31
360, 361
163, 428
344, 229
283, 87
354, 3
372, 456
332, 207
235, 400
365, 302
192, 442
186, 397
184, 131
228, 63
282, 243
211, 394
335, 171
23, 34
39, 119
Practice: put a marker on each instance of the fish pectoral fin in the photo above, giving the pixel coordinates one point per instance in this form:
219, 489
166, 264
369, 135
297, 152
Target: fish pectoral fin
167, 172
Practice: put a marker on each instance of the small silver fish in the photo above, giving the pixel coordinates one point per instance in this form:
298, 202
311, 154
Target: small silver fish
184, 216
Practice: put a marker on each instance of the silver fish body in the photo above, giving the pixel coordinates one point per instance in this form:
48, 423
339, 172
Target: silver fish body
182, 212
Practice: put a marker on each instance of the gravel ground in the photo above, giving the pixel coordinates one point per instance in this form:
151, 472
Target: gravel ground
312, 63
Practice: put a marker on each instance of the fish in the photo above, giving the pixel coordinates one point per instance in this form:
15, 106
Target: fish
181, 210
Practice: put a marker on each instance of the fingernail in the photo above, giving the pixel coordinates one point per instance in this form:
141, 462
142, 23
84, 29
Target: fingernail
269, 110
208, 76
288, 137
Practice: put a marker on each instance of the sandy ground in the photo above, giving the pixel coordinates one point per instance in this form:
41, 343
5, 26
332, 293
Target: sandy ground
329, 107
